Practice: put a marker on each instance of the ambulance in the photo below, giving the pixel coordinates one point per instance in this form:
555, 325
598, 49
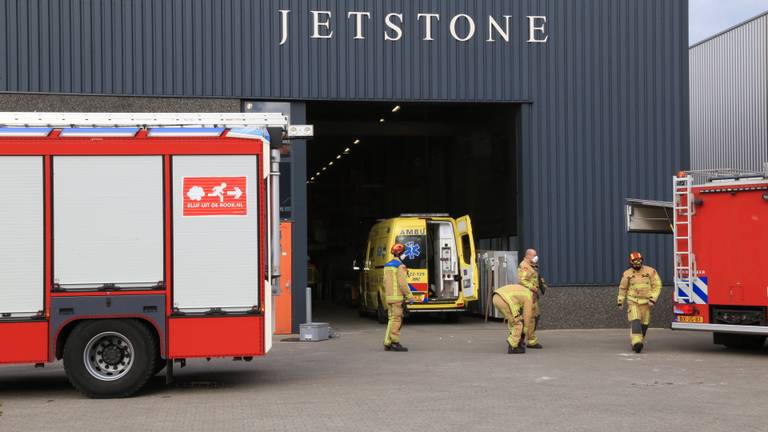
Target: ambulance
440, 256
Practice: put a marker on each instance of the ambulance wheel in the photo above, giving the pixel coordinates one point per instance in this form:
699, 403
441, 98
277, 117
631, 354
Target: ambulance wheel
110, 358
381, 314
740, 341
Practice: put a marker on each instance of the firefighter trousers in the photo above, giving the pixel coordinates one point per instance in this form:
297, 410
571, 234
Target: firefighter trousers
514, 320
394, 322
639, 316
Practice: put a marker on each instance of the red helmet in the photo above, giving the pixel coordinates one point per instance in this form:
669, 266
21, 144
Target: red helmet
635, 256
397, 249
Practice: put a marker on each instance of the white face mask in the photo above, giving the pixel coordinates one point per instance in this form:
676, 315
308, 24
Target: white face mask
535, 259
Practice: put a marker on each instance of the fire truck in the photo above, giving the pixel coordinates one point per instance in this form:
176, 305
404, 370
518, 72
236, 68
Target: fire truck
133, 241
719, 223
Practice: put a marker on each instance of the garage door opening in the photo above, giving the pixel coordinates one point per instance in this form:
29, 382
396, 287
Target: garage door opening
372, 161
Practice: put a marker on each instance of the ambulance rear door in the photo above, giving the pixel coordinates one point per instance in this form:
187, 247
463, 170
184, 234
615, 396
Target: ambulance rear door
467, 261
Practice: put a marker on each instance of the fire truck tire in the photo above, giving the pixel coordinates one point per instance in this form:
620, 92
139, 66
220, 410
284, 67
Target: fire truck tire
110, 358
744, 342
160, 364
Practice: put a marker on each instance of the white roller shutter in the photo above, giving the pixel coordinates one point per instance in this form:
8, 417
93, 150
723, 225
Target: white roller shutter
108, 221
215, 237
21, 235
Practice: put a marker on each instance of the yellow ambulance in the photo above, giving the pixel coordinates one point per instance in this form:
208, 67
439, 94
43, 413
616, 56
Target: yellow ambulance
440, 256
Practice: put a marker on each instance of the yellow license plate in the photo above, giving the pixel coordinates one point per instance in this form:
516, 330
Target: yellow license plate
690, 319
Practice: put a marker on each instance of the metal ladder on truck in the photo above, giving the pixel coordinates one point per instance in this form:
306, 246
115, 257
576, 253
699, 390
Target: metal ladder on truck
685, 261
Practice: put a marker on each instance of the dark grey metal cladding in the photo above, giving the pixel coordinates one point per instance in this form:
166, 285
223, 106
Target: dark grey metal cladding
606, 118
67, 309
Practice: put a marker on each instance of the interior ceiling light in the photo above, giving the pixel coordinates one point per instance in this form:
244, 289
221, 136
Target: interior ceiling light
346, 150
317, 173
311, 179
330, 163
357, 141
381, 120
338, 157
396, 108
325, 168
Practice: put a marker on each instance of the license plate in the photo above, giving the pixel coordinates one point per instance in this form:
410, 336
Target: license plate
690, 319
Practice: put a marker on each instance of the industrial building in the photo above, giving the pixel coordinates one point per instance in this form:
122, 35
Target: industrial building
536, 117
729, 98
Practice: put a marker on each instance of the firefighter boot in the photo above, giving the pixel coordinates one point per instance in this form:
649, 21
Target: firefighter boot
510, 348
397, 347
637, 347
520, 349
535, 346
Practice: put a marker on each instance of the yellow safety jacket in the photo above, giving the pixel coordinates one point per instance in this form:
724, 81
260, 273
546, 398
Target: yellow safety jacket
520, 300
640, 286
528, 275
396, 282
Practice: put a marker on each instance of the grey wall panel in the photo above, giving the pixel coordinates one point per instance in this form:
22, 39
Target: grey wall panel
606, 99
729, 98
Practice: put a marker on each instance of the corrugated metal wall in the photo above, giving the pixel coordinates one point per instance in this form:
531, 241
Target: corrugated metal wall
729, 98
606, 108
609, 121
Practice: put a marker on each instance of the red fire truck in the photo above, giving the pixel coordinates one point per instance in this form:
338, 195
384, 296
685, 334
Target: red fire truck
719, 220
130, 241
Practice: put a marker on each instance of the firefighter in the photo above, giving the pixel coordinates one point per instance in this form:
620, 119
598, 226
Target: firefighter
640, 286
396, 291
528, 274
516, 303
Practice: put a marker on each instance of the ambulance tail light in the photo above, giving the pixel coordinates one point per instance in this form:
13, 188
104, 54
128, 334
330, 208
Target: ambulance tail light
685, 309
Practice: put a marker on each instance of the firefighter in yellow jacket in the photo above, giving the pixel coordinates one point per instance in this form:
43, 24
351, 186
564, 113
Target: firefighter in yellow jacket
640, 286
528, 274
516, 303
396, 291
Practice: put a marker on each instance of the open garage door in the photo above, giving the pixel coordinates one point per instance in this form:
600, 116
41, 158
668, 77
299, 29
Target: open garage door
372, 161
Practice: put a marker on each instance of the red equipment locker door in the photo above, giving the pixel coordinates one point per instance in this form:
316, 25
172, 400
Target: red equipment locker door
283, 313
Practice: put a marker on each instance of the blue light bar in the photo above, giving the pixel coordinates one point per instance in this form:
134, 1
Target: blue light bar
25, 132
186, 132
99, 132
250, 133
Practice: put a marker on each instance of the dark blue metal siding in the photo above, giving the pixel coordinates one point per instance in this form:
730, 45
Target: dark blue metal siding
606, 108
608, 121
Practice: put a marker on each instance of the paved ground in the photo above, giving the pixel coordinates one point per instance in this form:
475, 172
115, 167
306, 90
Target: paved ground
456, 378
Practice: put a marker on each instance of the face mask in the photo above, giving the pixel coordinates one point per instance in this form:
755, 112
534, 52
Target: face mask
637, 266
535, 259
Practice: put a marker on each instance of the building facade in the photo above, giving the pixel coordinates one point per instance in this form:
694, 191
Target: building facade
600, 86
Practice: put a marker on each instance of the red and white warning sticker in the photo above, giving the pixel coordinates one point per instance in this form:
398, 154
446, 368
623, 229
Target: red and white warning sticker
215, 196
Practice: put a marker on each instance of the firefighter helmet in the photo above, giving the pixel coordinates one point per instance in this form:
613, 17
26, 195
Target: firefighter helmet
635, 256
397, 249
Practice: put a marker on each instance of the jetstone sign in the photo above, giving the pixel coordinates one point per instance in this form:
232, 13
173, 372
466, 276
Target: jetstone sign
462, 27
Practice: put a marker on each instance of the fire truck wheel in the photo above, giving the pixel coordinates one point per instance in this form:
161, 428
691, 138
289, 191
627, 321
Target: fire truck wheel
110, 358
160, 364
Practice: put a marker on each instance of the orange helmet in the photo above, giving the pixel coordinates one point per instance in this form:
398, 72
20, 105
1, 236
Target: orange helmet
397, 249
635, 256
